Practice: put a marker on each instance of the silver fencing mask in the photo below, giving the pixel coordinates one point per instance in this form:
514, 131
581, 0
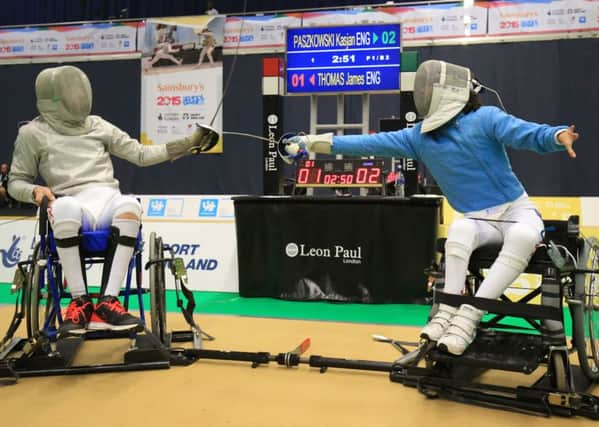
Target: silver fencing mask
64, 99
441, 90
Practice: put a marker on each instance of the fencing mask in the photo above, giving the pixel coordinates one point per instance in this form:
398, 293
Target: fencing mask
441, 90
64, 99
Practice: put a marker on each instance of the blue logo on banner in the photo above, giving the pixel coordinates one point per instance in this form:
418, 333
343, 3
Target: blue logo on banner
12, 255
582, 19
156, 207
208, 207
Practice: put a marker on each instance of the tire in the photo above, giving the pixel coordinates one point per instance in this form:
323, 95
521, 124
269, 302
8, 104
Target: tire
37, 310
585, 313
560, 377
157, 289
32, 295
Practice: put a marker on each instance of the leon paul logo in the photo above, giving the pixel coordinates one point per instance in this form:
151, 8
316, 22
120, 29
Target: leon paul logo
346, 255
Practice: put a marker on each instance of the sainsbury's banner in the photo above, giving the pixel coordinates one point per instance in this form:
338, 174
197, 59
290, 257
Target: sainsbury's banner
182, 77
542, 16
71, 40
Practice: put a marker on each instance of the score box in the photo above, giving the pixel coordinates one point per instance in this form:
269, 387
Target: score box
357, 58
340, 173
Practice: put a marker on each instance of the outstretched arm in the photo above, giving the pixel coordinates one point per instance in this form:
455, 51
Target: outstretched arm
125, 147
384, 144
523, 135
122, 145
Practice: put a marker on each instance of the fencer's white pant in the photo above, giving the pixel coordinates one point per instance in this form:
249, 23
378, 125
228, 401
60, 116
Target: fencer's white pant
94, 209
517, 225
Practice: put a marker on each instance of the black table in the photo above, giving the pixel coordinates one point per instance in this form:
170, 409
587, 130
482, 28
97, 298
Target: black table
361, 249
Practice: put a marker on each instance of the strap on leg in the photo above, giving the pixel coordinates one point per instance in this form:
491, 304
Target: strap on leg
115, 240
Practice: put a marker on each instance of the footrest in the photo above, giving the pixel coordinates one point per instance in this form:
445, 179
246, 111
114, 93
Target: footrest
181, 336
8, 376
499, 350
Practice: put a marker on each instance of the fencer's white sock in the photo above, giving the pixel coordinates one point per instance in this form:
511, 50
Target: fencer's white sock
71, 267
122, 255
455, 274
70, 258
500, 276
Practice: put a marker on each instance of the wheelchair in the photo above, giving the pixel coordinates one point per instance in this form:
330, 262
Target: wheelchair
569, 268
41, 293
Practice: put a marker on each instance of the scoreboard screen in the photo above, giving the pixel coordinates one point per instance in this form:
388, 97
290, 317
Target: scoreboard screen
340, 173
356, 58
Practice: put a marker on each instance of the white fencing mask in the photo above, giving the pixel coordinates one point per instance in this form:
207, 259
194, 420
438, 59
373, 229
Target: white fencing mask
441, 90
64, 99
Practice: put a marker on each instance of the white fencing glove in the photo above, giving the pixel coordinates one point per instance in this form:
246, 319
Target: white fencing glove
298, 146
202, 139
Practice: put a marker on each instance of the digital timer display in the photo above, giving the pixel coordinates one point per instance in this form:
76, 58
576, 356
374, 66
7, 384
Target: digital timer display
340, 173
354, 58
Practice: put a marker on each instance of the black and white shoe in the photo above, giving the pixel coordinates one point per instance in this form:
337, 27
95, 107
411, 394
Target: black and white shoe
77, 316
110, 315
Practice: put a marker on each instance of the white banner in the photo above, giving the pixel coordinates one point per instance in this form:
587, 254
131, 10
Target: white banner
543, 17
182, 78
199, 229
258, 32
440, 21
87, 39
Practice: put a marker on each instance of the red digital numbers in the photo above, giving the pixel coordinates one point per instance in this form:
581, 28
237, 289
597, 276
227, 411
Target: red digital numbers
374, 177
311, 174
297, 80
368, 176
346, 179
303, 175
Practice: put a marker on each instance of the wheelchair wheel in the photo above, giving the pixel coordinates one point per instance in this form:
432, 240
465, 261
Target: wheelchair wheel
560, 379
157, 289
586, 313
36, 309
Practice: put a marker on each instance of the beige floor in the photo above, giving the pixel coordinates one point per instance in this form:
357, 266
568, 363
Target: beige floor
215, 393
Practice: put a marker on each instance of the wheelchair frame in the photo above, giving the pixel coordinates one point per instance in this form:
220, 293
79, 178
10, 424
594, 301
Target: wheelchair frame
562, 387
39, 286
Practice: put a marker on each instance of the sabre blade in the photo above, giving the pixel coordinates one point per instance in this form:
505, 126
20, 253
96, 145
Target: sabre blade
380, 338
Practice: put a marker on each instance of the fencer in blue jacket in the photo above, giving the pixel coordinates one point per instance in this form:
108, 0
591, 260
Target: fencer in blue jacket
463, 145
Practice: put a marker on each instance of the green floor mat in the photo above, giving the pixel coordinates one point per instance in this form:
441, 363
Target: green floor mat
228, 303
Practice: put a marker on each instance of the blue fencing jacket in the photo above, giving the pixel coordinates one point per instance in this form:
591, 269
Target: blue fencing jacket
467, 156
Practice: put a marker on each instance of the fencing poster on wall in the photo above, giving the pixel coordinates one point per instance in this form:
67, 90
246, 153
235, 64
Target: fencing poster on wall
182, 77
